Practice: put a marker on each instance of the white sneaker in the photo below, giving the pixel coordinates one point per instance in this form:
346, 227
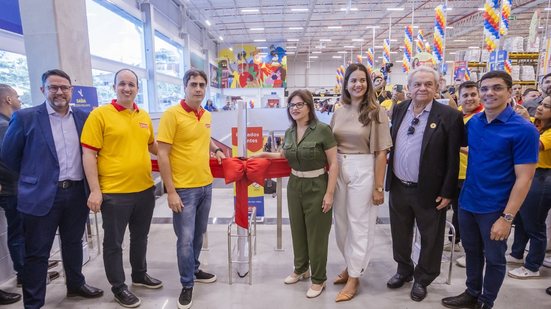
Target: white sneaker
523, 273
513, 260
461, 262
456, 248
547, 262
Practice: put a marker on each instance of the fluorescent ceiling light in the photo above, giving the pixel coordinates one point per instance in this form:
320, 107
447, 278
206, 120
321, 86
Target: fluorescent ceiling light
260, 40
207, 22
263, 54
334, 27
380, 57
449, 27
453, 53
249, 10
299, 10
394, 9
378, 46
325, 40
373, 27
459, 40
319, 46
295, 28
291, 47
261, 47
400, 61
342, 52
257, 29
393, 40
481, 9
221, 38
474, 47
449, 61
292, 40
313, 57
290, 53
393, 52
349, 46
316, 52
351, 9
337, 57
357, 40
449, 9
547, 9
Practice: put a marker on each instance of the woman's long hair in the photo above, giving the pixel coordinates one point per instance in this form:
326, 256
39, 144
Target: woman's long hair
543, 125
369, 107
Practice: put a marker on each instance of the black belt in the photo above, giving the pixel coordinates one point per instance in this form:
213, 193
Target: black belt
65, 184
408, 184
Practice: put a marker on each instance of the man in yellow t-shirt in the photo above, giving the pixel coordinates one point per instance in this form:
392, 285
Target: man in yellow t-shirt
116, 141
184, 153
469, 104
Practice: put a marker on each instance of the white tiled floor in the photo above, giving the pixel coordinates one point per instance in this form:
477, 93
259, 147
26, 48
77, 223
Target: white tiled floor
269, 270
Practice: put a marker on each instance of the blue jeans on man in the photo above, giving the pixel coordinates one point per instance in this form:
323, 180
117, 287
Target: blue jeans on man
189, 225
16, 240
530, 222
486, 264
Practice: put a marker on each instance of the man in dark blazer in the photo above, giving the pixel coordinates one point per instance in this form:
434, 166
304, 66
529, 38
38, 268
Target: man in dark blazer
42, 145
422, 179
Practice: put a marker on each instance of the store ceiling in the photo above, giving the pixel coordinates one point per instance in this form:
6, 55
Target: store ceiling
341, 23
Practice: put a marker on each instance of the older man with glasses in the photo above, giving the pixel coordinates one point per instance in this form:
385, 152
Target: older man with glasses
422, 179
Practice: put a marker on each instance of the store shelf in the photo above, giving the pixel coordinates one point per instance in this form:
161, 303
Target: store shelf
525, 82
524, 55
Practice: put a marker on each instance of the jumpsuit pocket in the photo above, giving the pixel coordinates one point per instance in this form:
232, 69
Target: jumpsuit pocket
308, 150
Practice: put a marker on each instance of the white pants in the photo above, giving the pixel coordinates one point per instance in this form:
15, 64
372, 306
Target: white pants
355, 215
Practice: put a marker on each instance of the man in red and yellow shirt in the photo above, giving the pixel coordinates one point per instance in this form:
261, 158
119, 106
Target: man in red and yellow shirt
469, 104
116, 141
184, 153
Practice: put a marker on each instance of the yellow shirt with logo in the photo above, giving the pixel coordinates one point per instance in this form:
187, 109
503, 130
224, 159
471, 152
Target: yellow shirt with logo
121, 138
544, 160
463, 158
189, 134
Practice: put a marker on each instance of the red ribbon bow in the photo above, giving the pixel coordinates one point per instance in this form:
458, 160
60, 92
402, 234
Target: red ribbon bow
244, 172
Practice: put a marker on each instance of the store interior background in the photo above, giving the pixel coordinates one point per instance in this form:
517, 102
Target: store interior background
161, 39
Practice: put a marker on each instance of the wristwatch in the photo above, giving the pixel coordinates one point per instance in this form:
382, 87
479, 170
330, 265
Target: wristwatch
379, 189
508, 217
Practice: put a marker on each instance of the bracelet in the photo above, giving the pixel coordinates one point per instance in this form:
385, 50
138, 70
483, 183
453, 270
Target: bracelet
217, 150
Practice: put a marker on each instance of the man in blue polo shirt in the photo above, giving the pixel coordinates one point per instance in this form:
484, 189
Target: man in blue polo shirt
503, 152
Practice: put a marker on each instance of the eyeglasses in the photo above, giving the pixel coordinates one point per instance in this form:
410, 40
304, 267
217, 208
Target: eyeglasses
298, 105
55, 89
413, 123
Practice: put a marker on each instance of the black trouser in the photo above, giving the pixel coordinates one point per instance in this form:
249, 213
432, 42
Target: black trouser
118, 211
405, 208
455, 215
69, 213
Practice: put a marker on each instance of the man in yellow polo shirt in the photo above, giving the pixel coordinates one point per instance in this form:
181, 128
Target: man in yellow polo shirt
116, 141
184, 144
469, 104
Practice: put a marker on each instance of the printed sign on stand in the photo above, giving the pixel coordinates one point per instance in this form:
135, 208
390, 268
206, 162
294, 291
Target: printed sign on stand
85, 98
254, 145
499, 64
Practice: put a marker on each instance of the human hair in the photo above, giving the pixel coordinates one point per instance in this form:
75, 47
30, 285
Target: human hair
135, 75
426, 70
528, 90
192, 73
545, 77
369, 107
54, 72
308, 99
504, 76
541, 124
467, 84
5, 90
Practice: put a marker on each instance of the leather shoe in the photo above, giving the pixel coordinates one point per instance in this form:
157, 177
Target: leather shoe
418, 292
548, 290
398, 280
148, 282
85, 291
7, 298
463, 300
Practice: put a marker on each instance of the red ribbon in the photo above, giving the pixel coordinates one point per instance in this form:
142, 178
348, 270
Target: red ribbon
244, 172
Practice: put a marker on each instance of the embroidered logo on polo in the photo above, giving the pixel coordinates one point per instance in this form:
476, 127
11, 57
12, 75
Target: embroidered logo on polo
144, 125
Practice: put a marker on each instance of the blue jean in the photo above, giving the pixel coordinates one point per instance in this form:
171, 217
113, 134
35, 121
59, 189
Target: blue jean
530, 222
480, 250
16, 241
189, 225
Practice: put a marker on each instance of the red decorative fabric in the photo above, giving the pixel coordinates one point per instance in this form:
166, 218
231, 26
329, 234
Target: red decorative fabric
244, 172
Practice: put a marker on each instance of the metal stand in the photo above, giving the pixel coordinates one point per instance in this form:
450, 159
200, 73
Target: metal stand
250, 237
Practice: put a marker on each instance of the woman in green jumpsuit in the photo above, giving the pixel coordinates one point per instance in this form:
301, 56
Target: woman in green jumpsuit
310, 147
